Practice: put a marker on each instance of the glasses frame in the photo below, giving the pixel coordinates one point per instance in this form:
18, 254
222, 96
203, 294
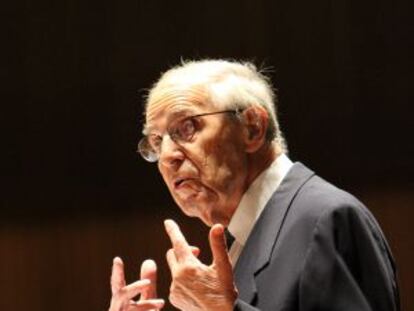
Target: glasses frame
144, 147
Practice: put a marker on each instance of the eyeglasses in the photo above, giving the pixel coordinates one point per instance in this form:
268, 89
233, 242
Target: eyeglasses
180, 131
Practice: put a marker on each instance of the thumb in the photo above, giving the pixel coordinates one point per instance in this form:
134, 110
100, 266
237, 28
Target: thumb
218, 247
149, 271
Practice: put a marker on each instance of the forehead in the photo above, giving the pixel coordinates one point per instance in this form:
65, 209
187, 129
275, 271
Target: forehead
171, 102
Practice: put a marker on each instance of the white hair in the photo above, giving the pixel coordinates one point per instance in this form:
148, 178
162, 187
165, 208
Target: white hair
228, 85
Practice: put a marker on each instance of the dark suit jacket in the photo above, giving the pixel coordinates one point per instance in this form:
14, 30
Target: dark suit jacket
315, 247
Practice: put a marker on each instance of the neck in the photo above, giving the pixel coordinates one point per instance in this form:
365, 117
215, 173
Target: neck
256, 164
261, 160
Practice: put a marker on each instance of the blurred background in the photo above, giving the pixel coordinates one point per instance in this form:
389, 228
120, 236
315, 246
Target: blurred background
74, 193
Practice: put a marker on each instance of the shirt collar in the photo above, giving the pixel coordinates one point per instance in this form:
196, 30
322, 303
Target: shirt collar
255, 198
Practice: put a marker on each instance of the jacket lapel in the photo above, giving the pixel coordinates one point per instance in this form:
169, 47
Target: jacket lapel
258, 249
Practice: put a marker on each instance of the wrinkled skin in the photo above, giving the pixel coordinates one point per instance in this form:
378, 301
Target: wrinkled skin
196, 286
213, 165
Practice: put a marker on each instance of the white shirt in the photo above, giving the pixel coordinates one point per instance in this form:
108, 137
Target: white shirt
253, 202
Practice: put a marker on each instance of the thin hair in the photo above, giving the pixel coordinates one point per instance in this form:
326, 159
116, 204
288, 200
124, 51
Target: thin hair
228, 84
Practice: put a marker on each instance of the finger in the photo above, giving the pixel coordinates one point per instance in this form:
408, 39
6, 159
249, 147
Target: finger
149, 271
218, 247
195, 251
117, 276
150, 304
133, 289
181, 248
171, 260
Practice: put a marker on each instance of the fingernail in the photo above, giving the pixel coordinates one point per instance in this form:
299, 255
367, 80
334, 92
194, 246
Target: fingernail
149, 263
168, 223
219, 228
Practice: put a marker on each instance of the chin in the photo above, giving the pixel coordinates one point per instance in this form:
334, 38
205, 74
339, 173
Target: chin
196, 210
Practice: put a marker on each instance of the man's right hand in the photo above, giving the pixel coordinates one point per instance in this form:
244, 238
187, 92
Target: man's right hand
123, 295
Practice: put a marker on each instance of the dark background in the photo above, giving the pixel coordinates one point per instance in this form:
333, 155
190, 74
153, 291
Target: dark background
73, 74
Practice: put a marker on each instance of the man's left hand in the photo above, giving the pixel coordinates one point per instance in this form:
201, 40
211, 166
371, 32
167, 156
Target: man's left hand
196, 286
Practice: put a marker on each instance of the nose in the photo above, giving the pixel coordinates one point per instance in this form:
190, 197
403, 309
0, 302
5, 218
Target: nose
170, 153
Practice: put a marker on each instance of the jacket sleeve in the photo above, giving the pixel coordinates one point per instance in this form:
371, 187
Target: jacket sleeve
348, 265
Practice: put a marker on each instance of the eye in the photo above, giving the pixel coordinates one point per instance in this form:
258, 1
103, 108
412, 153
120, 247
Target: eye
185, 129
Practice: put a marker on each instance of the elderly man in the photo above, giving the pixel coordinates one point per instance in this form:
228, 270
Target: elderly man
300, 243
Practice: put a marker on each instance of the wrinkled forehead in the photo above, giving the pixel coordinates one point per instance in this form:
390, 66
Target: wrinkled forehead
170, 102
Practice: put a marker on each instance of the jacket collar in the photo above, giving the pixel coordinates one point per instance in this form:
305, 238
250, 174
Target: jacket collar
260, 244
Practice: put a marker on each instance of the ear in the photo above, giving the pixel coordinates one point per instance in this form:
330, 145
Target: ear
256, 121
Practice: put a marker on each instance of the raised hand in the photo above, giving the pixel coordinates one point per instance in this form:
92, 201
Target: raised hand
196, 286
123, 295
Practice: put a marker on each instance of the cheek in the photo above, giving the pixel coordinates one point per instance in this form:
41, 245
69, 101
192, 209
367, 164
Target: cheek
224, 163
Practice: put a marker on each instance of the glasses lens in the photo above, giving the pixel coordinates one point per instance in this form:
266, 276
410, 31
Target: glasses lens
183, 130
146, 151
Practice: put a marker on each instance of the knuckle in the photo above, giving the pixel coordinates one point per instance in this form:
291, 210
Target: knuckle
173, 288
180, 244
184, 274
119, 295
189, 270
